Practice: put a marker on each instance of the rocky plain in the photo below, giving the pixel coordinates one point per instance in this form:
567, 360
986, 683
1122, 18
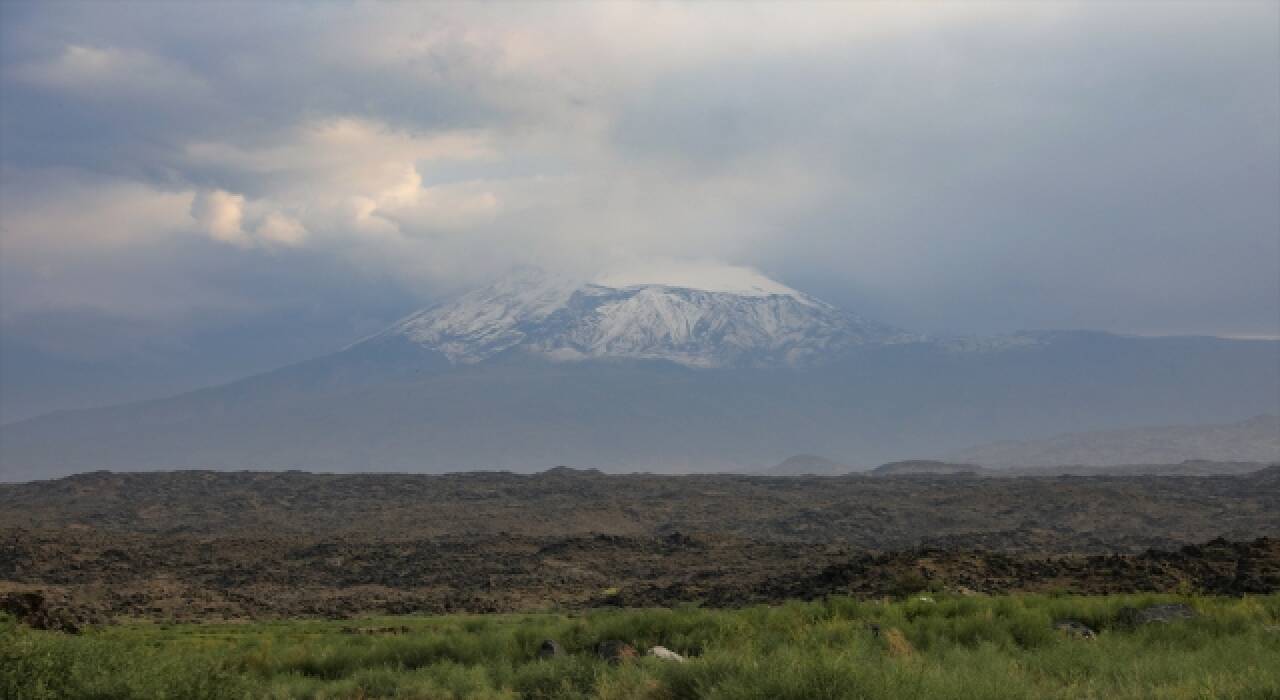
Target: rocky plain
205, 545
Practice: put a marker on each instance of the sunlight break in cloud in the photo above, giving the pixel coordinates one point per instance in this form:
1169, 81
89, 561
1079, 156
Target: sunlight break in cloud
221, 214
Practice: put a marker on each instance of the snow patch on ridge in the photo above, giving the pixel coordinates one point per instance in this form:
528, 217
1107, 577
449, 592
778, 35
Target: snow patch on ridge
487, 321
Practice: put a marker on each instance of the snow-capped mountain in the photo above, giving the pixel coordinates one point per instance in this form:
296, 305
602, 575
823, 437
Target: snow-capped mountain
723, 317
445, 389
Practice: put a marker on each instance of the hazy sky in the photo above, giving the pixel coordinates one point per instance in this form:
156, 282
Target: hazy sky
168, 168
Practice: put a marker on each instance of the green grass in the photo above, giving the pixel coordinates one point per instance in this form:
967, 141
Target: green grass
975, 647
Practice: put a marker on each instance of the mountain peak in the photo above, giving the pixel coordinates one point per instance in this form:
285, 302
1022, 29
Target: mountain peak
701, 276
695, 315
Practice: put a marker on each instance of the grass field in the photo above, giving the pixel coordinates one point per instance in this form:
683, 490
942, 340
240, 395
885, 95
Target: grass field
948, 647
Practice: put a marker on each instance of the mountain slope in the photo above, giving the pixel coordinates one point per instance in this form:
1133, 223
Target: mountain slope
533, 372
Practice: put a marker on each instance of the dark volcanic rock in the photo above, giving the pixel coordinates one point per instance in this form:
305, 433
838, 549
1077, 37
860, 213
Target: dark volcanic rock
180, 577
21, 605
1048, 515
549, 648
211, 545
1212, 568
31, 609
1074, 628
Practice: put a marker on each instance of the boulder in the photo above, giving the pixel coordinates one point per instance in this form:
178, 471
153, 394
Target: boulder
615, 652
1075, 628
665, 654
549, 648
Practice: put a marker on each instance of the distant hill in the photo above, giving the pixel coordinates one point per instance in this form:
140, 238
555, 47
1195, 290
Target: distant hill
925, 466
799, 465
1253, 440
1191, 467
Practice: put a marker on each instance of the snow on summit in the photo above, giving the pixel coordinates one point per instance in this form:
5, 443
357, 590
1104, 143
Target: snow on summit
695, 315
708, 277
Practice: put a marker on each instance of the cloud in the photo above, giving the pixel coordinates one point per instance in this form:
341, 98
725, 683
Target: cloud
694, 274
972, 166
280, 229
221, 214
453, 207
358, 176
344, 145
111, 73
53, 211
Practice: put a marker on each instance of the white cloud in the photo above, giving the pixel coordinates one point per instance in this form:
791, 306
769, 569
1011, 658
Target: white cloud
357, 176
695, 274
451, 207
221, 215
280, 229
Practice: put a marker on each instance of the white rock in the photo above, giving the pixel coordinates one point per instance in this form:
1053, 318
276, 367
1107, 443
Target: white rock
665, 654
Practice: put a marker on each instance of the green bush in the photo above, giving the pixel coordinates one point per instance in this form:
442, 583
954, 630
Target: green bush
39, 665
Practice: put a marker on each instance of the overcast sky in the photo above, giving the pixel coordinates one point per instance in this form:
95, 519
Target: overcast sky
941, 166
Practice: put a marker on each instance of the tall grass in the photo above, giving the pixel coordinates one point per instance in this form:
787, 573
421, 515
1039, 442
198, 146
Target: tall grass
962, 647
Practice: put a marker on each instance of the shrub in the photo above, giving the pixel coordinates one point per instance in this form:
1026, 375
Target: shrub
984, 647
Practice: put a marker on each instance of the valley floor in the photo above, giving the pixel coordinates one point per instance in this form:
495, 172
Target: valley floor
923, 645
